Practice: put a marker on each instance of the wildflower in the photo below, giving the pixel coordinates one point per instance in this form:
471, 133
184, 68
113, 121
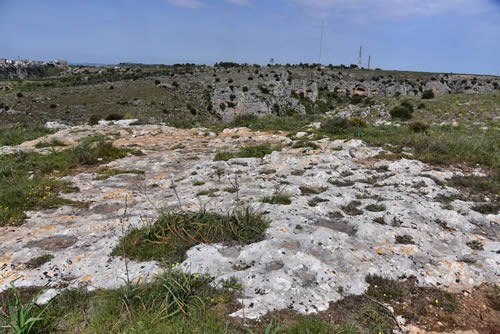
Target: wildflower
437, 301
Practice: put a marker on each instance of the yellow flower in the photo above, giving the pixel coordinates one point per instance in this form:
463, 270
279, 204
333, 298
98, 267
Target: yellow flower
437, 301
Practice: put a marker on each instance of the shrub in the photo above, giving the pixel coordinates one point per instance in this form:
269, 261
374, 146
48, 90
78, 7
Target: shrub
114, 117
257, 151
157, 82
94, 120
356, 99
19, 94
245, 89
404, 111
357, 122
421, 106
53, 106
428, 94
418, 126
335, 125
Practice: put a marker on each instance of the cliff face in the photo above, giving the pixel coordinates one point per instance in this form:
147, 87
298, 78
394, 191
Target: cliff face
23, 69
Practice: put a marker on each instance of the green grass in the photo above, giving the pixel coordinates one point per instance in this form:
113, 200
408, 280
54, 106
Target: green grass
351, 208
174, 233
174, 302
278, 199
38, 261
27, 183
257, 151
375, 207
304, 144
272, 123
309, 190
52, 143
19, 134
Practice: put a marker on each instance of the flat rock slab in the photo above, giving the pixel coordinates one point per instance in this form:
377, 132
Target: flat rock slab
312, 249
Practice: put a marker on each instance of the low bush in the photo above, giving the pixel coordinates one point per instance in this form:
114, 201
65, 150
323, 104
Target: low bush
257, 151
114, 117
428, 94
175, 232
418, 126
403, 112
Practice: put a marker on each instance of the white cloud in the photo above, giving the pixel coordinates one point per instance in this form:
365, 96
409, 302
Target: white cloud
186, 3
238, 2
395, 7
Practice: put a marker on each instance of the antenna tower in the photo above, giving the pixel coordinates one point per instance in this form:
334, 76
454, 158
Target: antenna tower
369, 60
321, 40
360, 57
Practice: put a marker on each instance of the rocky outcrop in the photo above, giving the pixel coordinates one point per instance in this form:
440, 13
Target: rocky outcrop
23, 69
367, 216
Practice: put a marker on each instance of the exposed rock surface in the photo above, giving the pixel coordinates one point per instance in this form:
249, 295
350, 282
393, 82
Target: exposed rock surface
23, 69
397, 228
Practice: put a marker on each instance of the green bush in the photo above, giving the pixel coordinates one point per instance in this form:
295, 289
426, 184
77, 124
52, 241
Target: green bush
418, 126
404, 111
356, 99
114, 117
357, 122
428, 94
335, 125
94, 120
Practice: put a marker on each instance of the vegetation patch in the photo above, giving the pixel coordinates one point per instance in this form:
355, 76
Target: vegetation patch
403, 112
311, 190
52, 143
278, 198
257, 151
173, 302
404, 239
375, 207
315, 201
19, 134
106, 173
304, 144
175, 232
37, 262
487, 208
27, 183
352, 208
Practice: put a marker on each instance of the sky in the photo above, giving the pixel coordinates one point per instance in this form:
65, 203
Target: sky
460, 36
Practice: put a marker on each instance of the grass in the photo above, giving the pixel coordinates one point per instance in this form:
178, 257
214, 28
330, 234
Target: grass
174, 302
272, 123
404, 239
37, 262
315, 201
277, 198
309, 190
304, 144
375, 207
352, 208
257, 151
52, 143
27, 183
174, 233
19, 134
106, 173
446, 145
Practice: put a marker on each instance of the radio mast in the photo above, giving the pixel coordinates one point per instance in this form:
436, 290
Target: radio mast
360, 57
321, 40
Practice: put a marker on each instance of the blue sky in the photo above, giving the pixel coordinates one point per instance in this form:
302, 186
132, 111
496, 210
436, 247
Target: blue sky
424, 35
